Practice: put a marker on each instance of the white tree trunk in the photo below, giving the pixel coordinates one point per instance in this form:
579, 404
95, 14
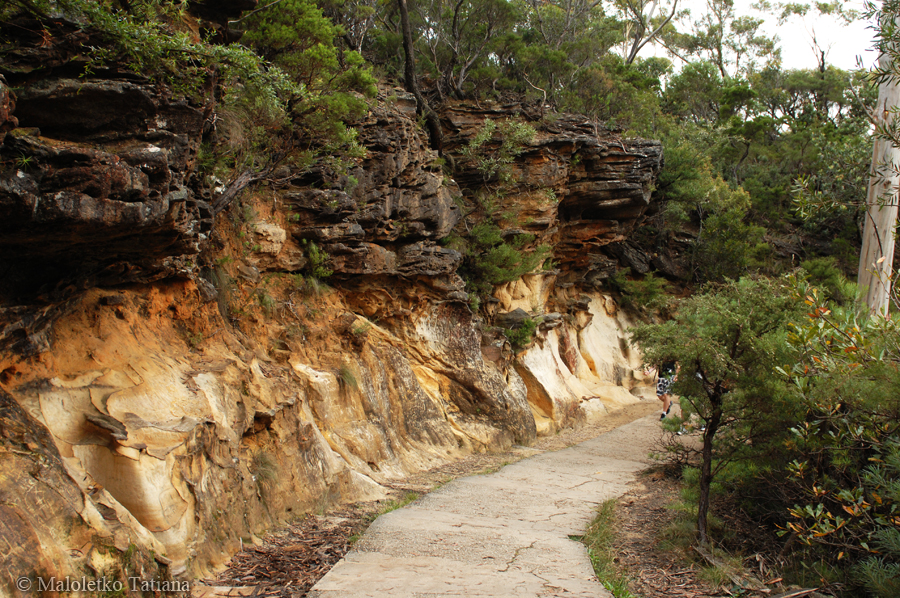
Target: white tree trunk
877, 255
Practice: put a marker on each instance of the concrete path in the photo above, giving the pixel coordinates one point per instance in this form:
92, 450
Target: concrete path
501, 535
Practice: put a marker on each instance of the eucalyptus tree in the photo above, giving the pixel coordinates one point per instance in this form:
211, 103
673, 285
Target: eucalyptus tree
643, 24
877, 255
455, 35
732, 42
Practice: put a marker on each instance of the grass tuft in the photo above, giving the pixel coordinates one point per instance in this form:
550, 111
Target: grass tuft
599, 540
393, 505
347, 377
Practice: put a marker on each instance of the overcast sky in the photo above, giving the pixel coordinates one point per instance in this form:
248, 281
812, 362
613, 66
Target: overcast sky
843, 43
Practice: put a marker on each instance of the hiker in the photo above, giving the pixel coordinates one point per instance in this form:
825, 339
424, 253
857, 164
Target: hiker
666, 374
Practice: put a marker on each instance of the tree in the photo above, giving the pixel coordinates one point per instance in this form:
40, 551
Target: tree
642, 24
355, 17
727, 341
560, 40
877, 255
561, 22
412, 81
459, 34
733, 43
839, 11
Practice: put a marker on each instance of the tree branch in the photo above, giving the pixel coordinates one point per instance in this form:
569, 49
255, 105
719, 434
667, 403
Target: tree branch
253, 12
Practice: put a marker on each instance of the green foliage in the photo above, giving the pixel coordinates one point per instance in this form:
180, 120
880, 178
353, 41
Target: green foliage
195, 340
347, 377
491, 257
493, 160
829, 197
394, 504
461, 38
846, 450
600, 541
300, 40
266, 301
695, 93
264, 470
142, 40
825, 275
317, 260
361, 330
521, 336
622, 95
490, 260
729, 247
681, 533
647, 293
727, 341
285, 94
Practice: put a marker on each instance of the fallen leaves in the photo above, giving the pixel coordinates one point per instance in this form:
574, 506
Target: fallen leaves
289, 563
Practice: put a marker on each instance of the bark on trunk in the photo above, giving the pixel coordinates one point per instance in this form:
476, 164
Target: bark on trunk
435, 133
706, 476
877, 255
244, 180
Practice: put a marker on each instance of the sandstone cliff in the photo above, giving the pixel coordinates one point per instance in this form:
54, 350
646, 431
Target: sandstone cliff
172, 383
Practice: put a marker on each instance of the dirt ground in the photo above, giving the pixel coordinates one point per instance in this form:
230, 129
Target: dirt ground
292, 560
642, 514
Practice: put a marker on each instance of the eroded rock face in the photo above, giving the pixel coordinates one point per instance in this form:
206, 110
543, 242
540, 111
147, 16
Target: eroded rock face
80, 209
8, 122
389, 219
180, 414
582, 188
55, 523
581, 365
192, 452
94, 183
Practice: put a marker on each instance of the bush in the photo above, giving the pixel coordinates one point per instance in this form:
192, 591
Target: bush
521, 336
490, 260
825, 274
317, 260
491, 159
648, 293
346, 376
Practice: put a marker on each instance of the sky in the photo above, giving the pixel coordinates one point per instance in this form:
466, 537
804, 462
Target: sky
843, 43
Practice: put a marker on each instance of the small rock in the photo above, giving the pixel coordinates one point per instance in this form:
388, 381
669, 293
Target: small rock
491, 353
207, 290
458, 296
249, 273
112, 300
512, 319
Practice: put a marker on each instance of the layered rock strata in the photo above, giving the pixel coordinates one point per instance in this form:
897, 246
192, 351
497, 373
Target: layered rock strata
174, 384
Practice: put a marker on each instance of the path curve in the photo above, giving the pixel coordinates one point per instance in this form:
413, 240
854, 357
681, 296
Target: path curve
505, 534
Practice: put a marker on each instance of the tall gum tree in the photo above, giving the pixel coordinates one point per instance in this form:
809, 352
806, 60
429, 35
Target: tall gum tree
877, 254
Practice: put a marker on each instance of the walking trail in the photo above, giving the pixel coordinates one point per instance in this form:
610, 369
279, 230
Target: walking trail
499, 535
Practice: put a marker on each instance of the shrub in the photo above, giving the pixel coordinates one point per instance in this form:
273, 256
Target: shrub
521, 336
727, 340
317, 260
266, 301
647, 293
490, 260
493, 160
